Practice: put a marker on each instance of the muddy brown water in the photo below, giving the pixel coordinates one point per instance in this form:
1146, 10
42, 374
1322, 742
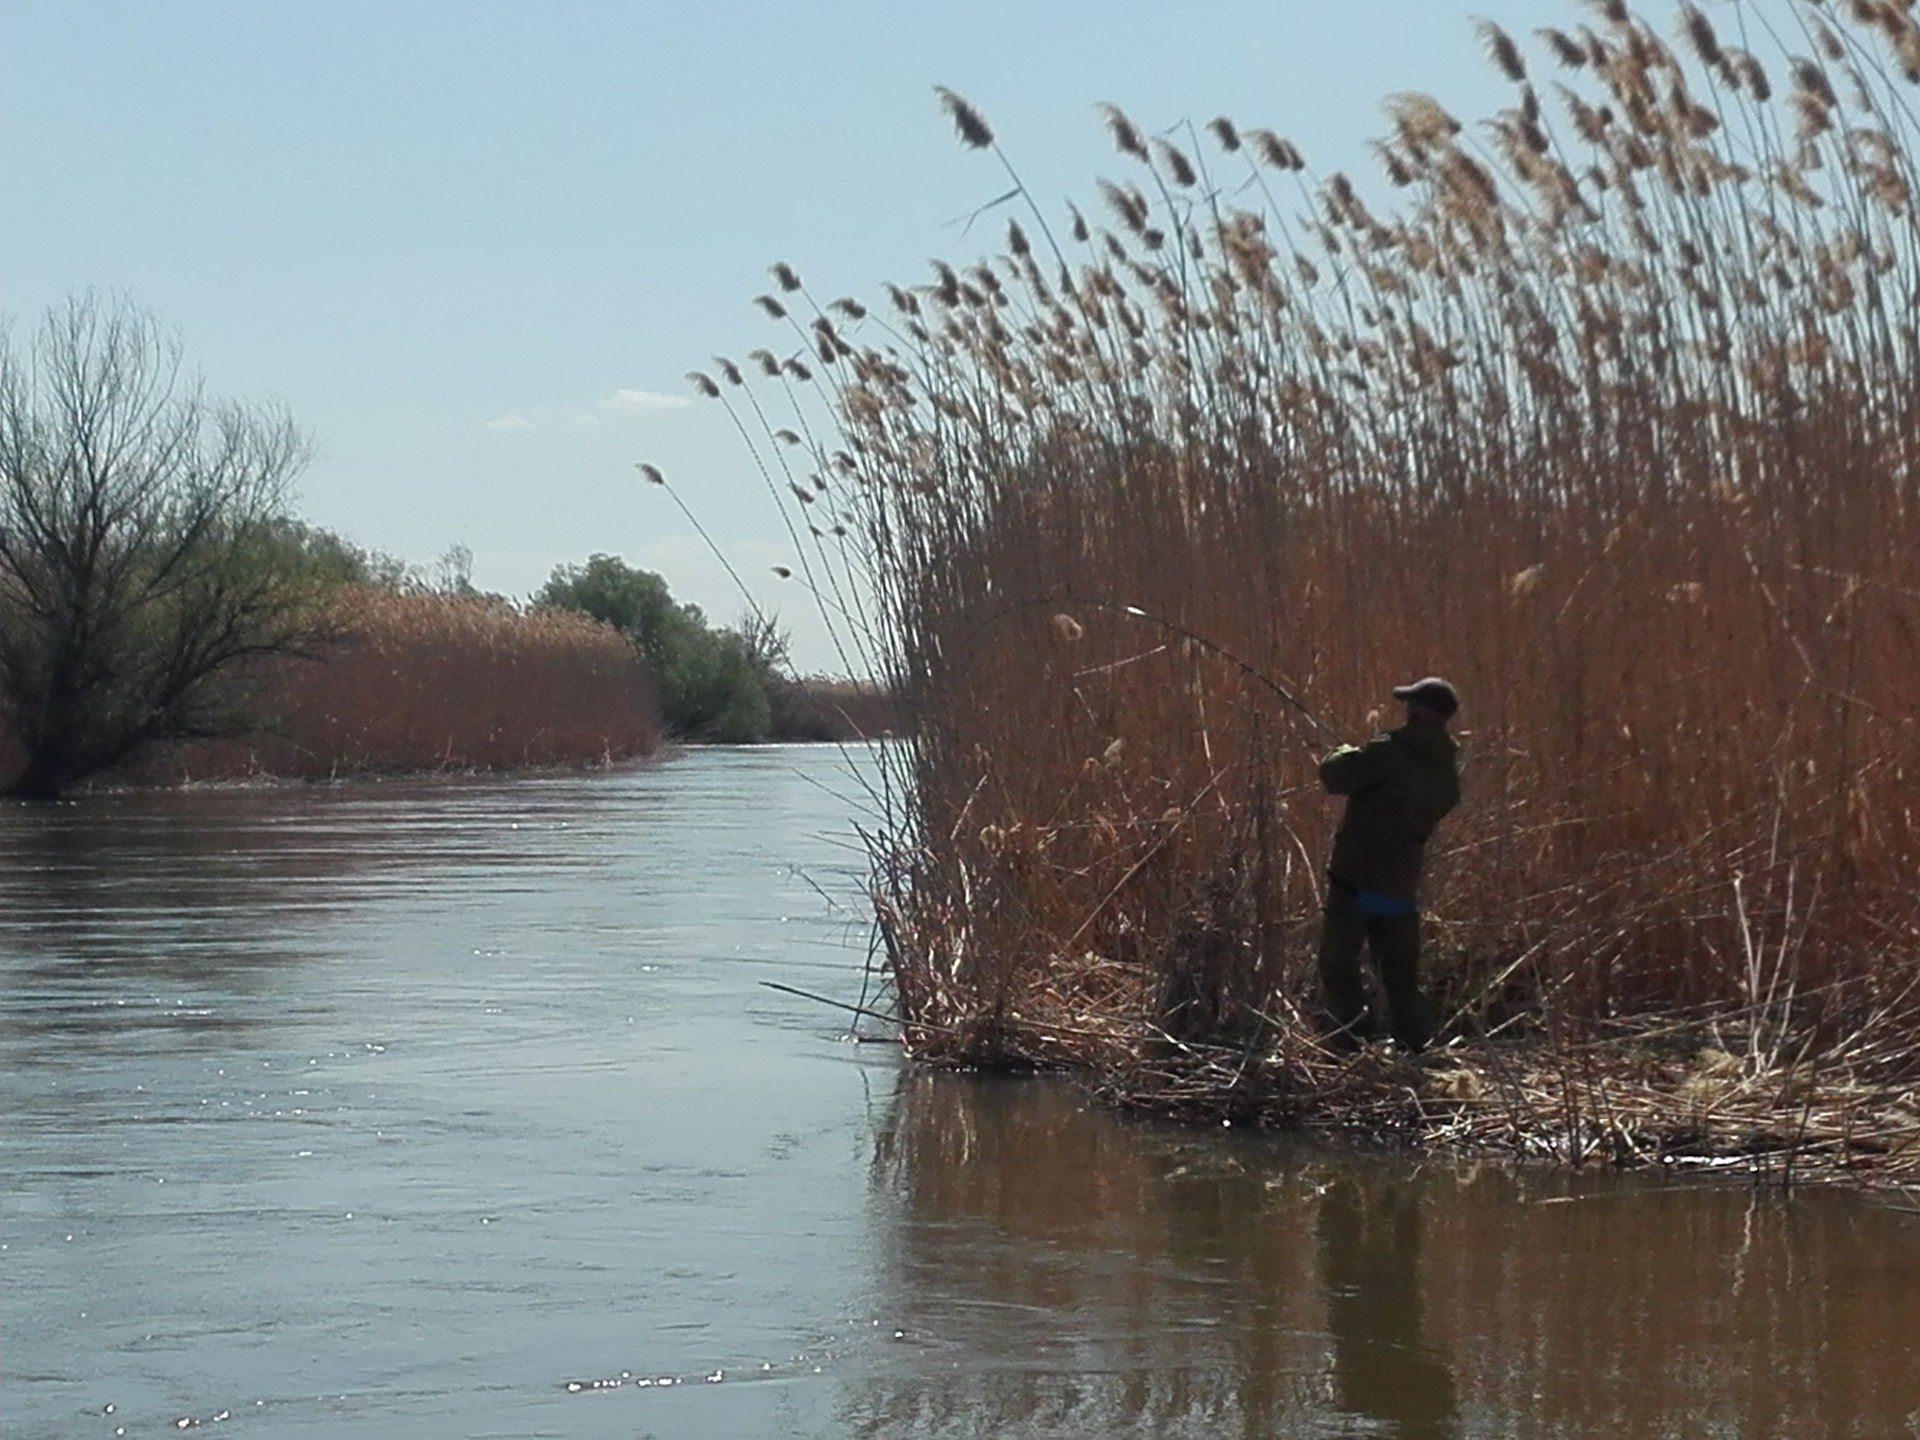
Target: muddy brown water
456, 1109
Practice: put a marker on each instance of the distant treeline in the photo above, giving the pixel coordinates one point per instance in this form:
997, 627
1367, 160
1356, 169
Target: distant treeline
415, 670
161, 612
730, 686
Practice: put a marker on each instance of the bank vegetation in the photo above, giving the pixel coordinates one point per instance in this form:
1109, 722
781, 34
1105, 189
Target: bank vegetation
1611, 414
164, 616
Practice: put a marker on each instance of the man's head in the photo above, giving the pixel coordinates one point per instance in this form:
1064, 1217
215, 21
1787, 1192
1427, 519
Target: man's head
1431, 701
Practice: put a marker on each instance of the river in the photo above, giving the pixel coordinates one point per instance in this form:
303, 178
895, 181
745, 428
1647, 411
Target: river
457, 1109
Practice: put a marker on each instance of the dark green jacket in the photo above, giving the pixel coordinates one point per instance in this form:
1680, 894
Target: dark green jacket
1397, 785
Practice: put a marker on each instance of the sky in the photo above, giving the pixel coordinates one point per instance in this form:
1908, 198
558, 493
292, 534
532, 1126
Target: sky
474, 247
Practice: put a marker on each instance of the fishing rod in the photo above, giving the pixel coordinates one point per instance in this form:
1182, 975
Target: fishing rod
1137, 613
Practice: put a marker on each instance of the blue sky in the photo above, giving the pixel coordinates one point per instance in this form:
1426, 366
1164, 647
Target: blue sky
475, 246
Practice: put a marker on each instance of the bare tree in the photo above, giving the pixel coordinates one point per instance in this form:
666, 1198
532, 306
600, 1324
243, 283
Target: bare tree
141, 552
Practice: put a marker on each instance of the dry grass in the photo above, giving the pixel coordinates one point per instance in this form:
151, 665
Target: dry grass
1615, 421
437, 682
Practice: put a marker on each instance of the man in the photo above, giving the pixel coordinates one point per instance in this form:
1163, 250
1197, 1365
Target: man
1397, 785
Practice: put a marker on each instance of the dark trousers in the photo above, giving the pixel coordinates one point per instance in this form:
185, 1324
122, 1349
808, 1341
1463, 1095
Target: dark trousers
1394, 941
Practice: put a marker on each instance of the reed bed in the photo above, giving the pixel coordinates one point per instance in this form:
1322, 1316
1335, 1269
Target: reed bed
428, 682
1613, 418
814, 708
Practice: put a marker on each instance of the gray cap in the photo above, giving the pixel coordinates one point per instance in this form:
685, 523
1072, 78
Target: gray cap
1432, 693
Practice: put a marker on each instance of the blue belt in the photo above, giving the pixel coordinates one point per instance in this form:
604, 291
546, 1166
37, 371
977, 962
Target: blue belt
1371, 902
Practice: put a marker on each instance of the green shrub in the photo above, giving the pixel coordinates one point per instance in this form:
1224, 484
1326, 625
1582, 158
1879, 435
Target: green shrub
711, 683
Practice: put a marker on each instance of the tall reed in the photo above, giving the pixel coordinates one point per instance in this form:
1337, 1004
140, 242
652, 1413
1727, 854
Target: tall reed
1614, 419
442, 682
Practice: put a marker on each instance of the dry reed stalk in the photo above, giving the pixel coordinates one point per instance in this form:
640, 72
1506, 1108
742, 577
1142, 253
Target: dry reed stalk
1617, 424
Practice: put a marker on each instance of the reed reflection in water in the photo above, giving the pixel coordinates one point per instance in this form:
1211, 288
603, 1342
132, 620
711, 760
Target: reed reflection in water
1061, 1272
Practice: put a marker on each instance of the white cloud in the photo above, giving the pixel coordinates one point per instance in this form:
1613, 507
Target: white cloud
621, 404
643, 402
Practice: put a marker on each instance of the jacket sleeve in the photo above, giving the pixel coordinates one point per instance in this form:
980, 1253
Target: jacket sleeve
1353, 768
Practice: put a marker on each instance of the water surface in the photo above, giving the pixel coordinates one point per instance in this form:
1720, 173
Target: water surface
456, 1109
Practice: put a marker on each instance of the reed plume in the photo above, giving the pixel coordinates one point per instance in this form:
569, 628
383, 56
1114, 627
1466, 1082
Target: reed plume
1616, 422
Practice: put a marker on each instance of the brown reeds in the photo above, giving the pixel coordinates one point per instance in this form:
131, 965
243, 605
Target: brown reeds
1615, 421
832, 710
427, 682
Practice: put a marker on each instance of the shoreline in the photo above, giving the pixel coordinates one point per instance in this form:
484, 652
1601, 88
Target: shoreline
1601, 1104
377, 775
1695, 1097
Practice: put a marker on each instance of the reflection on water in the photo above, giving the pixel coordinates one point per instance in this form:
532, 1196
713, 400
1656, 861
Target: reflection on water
457, 1109
1065, 1273
122, 906
391, 1109
1370, 1278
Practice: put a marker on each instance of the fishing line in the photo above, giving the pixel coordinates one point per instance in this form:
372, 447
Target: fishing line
1137, 613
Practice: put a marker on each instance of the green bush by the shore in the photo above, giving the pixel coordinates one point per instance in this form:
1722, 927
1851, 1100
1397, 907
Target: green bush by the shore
713, 684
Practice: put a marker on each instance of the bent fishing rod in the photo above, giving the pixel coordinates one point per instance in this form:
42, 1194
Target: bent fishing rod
1137, 613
